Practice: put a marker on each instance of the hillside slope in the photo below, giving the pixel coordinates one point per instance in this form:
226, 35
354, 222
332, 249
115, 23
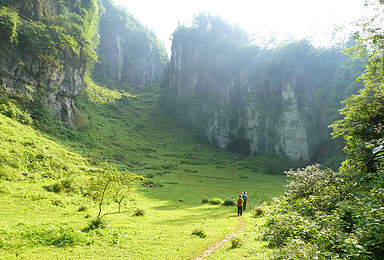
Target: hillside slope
46, 209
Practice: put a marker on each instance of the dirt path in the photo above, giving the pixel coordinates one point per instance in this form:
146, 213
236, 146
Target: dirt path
212, 248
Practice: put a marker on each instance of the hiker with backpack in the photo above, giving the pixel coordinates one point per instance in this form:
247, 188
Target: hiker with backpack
239, 203
245, 197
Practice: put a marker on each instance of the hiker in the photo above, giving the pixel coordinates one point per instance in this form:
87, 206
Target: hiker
239, 204
245, 197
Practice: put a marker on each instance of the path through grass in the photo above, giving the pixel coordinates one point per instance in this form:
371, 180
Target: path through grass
132, 133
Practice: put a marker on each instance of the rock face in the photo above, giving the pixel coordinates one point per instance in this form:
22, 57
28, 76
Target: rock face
128, 52
59, 85
249, 102
55, 50
27, 71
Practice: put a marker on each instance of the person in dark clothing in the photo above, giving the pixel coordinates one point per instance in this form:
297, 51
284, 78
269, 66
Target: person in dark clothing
245, 197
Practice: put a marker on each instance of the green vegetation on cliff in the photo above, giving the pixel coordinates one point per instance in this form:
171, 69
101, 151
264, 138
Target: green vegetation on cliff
55, 30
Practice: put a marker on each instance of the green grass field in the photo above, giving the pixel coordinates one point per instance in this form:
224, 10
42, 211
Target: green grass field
133, 134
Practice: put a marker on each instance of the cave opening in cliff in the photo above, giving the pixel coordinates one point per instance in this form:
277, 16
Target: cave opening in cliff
239, 145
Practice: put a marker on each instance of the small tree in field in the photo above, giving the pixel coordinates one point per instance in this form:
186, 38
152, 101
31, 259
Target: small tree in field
110, 184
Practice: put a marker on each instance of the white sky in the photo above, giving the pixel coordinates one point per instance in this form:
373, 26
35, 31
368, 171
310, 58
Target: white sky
284, 19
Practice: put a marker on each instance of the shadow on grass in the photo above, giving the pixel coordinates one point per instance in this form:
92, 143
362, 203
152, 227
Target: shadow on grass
198, 214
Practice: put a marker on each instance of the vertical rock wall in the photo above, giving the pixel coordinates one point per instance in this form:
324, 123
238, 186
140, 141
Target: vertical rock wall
128, 52
248, 108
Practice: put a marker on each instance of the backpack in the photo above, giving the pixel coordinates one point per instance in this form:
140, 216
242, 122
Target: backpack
238, 202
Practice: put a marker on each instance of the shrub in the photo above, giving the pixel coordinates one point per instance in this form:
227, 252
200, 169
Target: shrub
149, 175
68, 184
150, 183
169, 166
216, 201
205, 200
257, 212
312, 181
11, 110
229, 202
8, 173
139, 213
82, 208
236, 242
79, 121
58, 203
9, 24
56, 188
199, 232
46, 235
97, 223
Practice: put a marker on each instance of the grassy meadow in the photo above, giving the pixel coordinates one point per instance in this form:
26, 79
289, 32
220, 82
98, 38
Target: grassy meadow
45, 211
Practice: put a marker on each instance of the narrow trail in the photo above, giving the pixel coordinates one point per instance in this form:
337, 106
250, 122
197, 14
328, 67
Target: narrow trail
212, 248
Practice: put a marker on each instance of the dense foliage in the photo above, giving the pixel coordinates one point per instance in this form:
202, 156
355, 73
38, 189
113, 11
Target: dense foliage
54, 31
339, 215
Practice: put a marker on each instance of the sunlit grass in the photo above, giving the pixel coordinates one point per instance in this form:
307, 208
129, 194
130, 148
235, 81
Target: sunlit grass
135, 135
103, 95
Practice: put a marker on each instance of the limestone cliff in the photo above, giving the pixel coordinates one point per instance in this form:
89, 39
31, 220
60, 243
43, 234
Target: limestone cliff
46, 50
249, 100
128, 51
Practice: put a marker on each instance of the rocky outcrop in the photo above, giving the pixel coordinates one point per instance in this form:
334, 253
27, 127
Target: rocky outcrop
20, 73
128, 52
48, 60
51, 48
252, 102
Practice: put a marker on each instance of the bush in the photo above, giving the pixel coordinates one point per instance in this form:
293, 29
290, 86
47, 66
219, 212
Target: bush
313, 181
150, 183
229, 202
97, 223
139, 213
149, 175
11, 110
205, 200
216, 201
257, 212
82, 208
236, 242
9, 23
199, 232
56, 188
46, 235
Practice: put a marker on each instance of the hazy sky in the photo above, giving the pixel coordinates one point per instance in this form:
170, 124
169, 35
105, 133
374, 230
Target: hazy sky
261, 18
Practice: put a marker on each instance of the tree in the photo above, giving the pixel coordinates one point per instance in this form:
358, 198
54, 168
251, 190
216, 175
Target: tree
362, 125
110, 184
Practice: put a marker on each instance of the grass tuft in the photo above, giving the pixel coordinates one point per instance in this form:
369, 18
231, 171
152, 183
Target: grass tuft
216, 201
199, 232
236, 242
229, 202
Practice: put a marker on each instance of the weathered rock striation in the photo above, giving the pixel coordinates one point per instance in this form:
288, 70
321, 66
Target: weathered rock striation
250, 100
48, 57
128, 52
